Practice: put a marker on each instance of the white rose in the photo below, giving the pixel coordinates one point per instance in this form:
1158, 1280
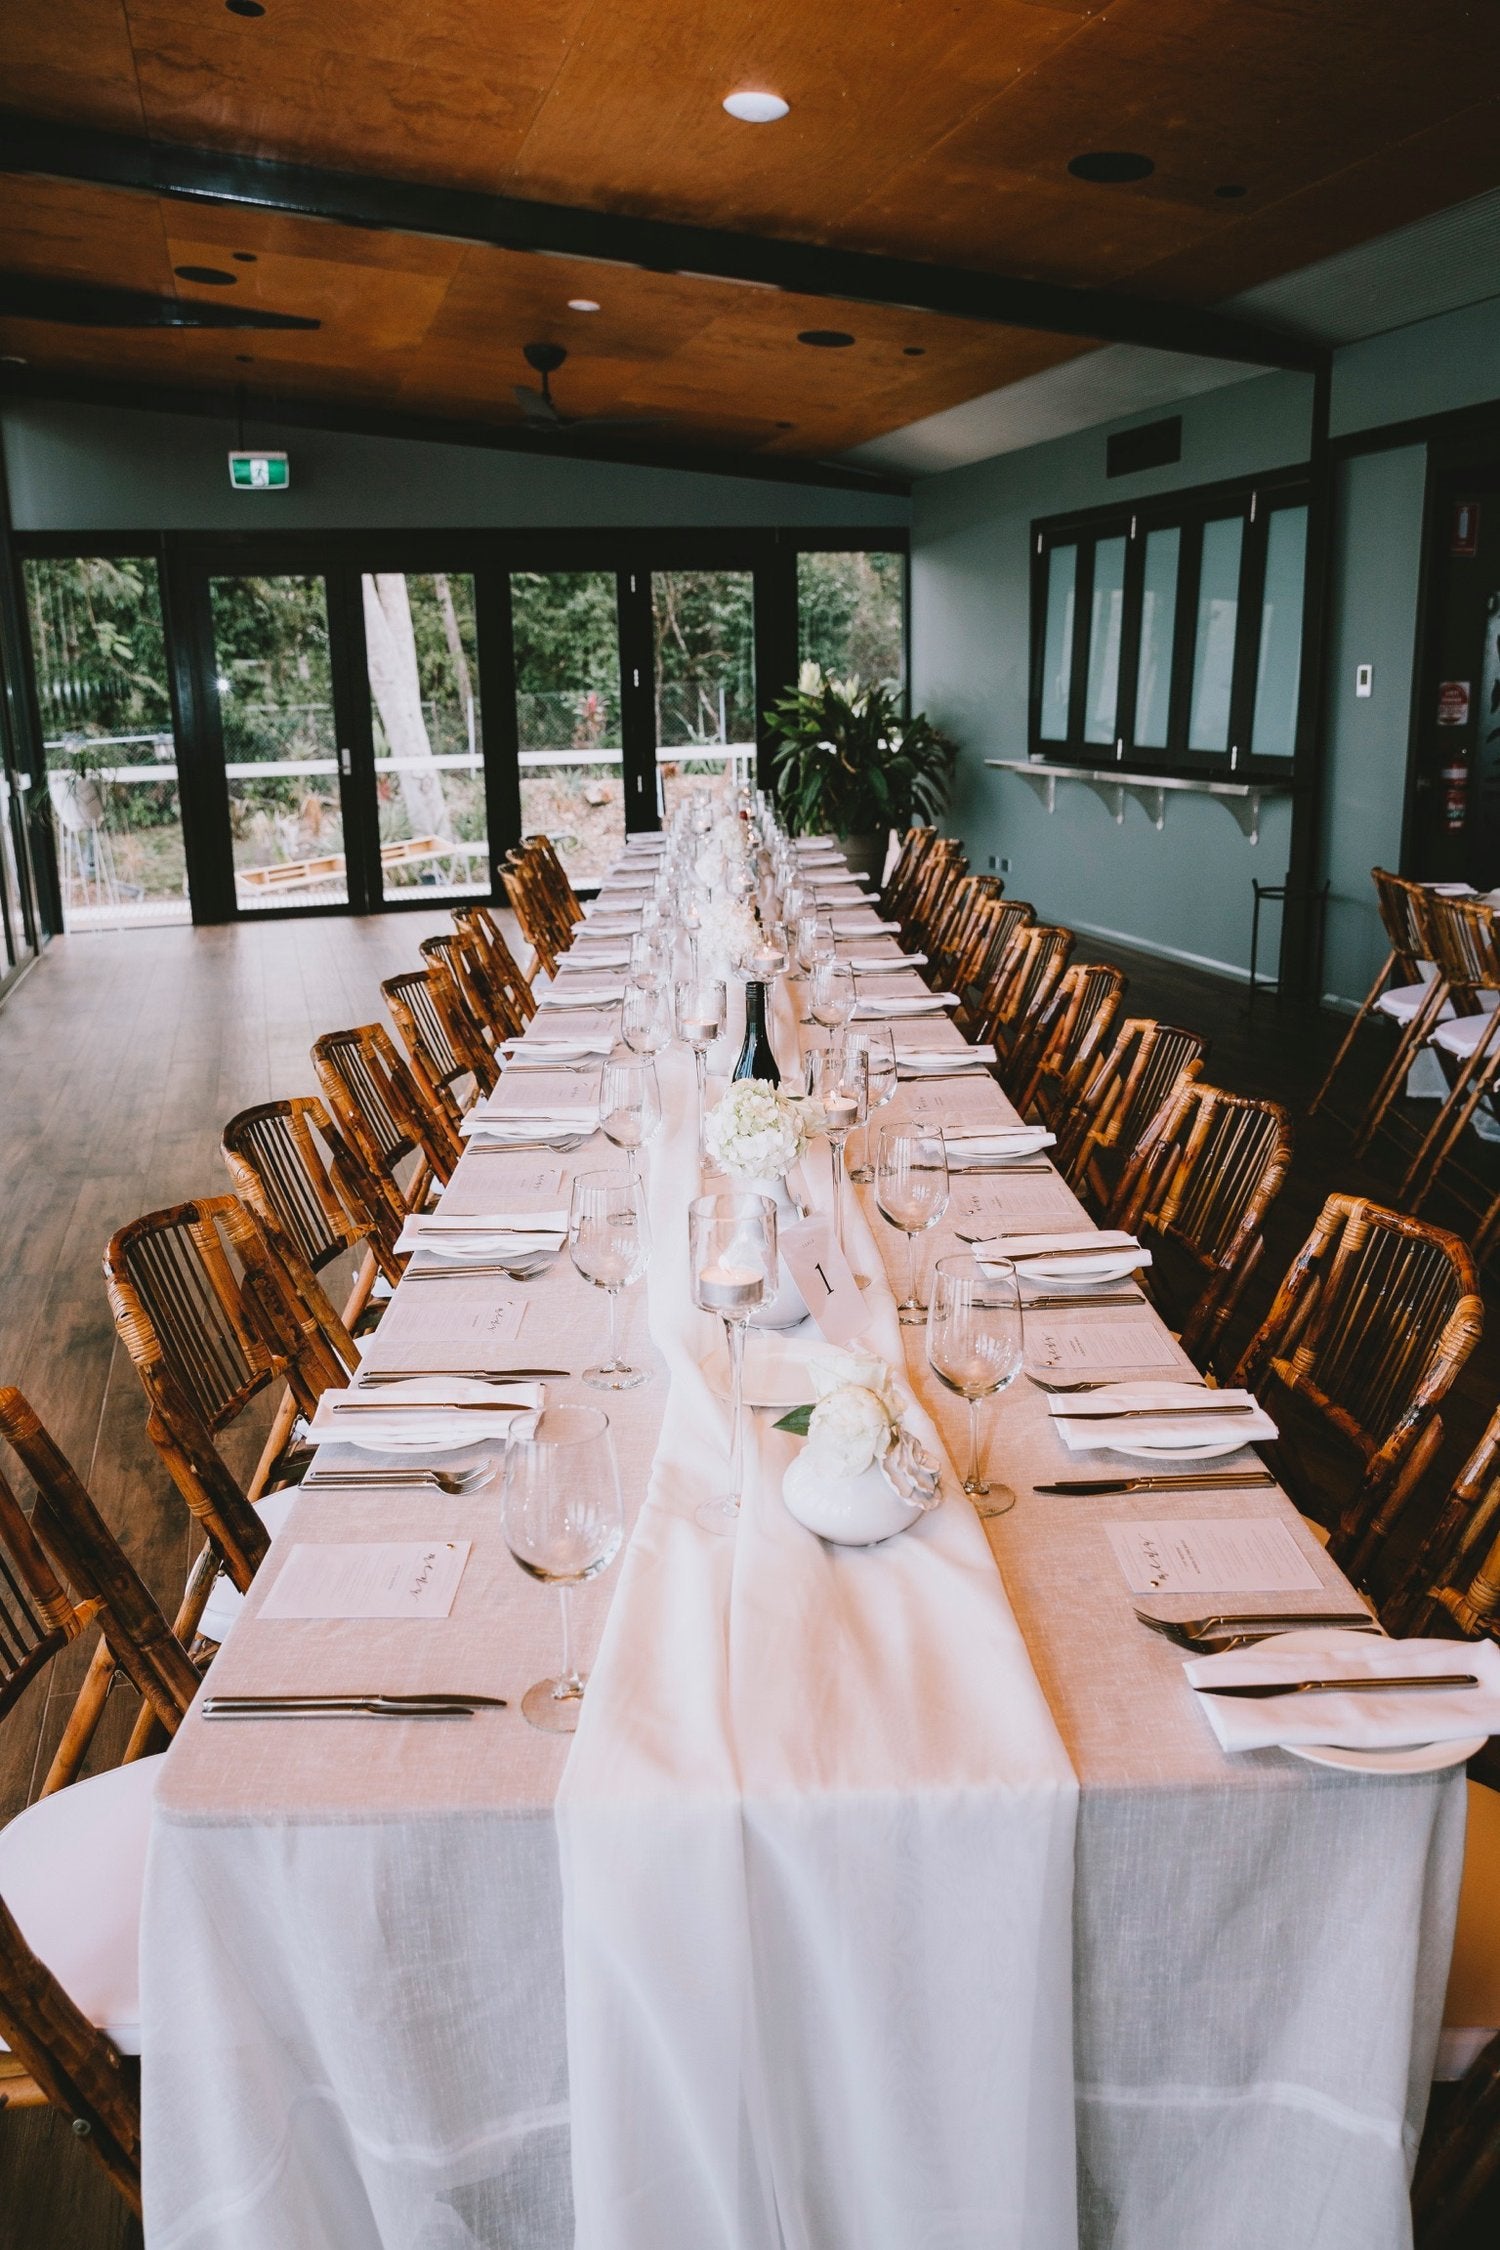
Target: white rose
849, 1430
833, 1367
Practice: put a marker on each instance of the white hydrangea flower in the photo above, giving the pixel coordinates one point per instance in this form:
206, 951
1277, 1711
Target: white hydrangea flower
850, 1429
755, 1133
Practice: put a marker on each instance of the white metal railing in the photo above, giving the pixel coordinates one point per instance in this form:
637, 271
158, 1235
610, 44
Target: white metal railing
454, 761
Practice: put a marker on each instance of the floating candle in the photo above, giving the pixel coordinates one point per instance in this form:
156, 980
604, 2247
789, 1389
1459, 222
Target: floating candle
728, 1289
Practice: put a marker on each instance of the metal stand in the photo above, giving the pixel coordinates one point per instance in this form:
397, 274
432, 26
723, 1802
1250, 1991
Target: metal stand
1282, 894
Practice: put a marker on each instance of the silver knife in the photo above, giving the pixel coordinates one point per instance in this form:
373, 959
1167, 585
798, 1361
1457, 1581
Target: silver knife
372, 1375
1142, 1413
1205, 1481
1260, 1688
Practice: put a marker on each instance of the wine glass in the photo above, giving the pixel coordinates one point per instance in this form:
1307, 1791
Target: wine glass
814, 940
911, 1188
645, 956
845, 1100
629, 1102
732, 1257
879, 1044
976, 1344
609, 1241
833, 994
646, 1018
698, 1013
563, 1520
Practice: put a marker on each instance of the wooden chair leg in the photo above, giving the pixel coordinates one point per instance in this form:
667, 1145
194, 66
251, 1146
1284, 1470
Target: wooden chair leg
1351, 1035
1460, 2154
83, 1721
1408, 1046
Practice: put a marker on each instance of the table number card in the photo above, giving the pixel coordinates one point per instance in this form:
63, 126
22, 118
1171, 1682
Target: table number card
1218, 1555
823, 1274
389, 1578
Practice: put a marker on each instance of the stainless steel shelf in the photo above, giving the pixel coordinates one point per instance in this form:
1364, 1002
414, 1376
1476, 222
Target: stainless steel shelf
1242, 799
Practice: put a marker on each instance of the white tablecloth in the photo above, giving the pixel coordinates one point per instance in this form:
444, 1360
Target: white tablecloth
354, 1944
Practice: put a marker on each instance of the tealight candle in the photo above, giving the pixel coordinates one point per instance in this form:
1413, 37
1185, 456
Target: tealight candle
702, 1030
841, 1111
766, 964
727, 1289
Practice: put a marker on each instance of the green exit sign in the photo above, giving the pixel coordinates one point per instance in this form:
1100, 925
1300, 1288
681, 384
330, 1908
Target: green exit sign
259, 472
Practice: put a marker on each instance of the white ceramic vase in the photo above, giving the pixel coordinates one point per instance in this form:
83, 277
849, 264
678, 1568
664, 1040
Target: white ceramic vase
853, 1511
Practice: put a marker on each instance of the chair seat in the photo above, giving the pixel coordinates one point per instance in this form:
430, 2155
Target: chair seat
1463, 1034
222, 1609
1471, 2013
72, 1868
1403, 1000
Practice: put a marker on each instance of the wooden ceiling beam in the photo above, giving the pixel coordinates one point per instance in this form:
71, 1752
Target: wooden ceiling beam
110, 159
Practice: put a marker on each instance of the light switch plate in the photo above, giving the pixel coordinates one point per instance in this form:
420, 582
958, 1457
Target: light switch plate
1364, 679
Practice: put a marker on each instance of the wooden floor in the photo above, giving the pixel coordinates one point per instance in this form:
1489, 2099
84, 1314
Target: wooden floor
120, 1058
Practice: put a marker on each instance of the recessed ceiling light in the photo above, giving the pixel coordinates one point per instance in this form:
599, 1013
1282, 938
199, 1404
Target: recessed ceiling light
582, 304
913, 351
243, 257
1231, 193
1111, 166
827, 339
756, 109
244, 7
214, 276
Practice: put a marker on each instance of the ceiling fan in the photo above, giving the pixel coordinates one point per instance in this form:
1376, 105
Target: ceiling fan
541, 410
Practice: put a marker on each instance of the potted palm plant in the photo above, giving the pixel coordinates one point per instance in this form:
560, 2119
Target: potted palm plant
845, 761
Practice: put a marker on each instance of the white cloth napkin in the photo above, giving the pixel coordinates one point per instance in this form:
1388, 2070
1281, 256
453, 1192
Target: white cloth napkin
1356, 1722
814, 844
1085, 1425
1025, 1248
865, 926
449, 1408
871, 963
902, 1004
586, 1044
506, 1233
589, 956
531, 1125
940, 1062
581, 995
984, 1148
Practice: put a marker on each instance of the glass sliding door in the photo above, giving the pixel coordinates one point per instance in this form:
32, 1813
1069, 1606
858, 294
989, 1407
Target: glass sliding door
566, 636
101, 676
274, 683
423, 668
703, 625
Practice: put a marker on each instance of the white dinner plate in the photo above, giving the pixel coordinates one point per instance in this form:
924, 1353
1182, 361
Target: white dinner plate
476, 1249
1410, 1757
773, 1377
436, 1392
1082, 1273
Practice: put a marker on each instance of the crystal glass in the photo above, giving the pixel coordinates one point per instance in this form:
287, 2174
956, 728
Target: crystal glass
844, 1096
646, 956
732, 1257
814, 940
629, 1102
609, 1241
646, 1018
833, 994
879, 1044
911, 1189
698, 1015
976, 1343
563, 1520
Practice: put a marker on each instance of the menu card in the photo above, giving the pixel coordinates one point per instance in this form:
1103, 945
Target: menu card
1068, 1346
389, 1578
1219, 1555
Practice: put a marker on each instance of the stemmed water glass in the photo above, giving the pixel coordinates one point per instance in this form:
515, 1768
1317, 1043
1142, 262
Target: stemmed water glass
844, 1097
976, 1344
911, 1189
732, 1256
698, 1011
609, 1241
563, 1520
833, 994
814, 940
879, 1044
629, 1102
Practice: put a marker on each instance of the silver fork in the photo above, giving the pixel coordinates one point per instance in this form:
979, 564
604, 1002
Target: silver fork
1197, 1633
398, 1480
1106, 1382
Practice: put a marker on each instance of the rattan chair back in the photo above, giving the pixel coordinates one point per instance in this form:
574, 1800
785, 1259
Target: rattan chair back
308, 1189
447, 1055
1033, 969
380, 1108
484, 939
1110, 1111
1376, 1315
1069, 1034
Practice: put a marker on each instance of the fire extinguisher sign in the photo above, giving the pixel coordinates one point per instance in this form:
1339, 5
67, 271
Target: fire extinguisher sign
1453, 703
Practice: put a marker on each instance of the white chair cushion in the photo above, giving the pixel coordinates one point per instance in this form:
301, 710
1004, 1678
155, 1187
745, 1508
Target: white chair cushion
71, 1871
1403, 1000
222, 1609
1463, 1034
1471, 2013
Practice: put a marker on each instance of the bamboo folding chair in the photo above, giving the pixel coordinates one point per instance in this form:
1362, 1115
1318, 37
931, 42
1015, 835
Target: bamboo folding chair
1466, 949
953, 937
553, 877
211, 1319
899, 887
941, 869
548, 938
1403, 913
1034, 966
981, 975
71, 1864
1069, 1033
448, 1057
1370, 1326
317, 1205
484, 941
486, 1005
1107, 1114
1197, 1190
383, 1112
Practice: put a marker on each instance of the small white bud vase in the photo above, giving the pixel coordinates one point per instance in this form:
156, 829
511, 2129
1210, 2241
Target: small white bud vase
852, 1511
861, 1477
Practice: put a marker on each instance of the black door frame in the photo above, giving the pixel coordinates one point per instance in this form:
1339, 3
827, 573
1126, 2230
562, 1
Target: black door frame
187, 560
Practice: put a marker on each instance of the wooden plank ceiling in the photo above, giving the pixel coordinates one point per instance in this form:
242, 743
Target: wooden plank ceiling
1280, 131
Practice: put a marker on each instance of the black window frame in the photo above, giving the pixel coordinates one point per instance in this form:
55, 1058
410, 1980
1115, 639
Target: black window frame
1254, 500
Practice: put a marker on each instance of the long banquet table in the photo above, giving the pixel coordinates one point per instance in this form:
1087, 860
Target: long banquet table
883, 1899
